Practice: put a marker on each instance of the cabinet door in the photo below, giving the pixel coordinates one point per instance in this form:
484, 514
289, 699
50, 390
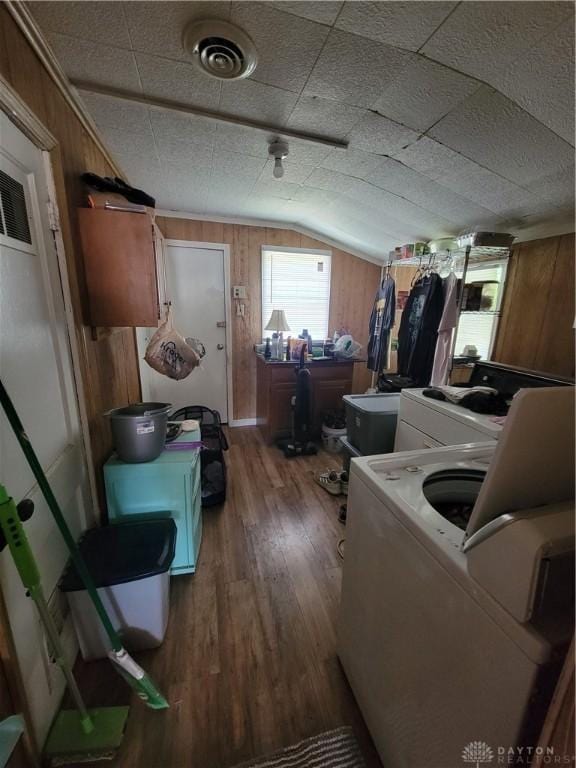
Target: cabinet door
409, 438
327, 395
120, 267
280, 407
160, 259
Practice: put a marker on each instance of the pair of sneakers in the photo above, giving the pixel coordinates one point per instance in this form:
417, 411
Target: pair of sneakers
334, 482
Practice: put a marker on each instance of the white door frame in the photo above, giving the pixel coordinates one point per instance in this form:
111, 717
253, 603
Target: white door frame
19, 113
225, 248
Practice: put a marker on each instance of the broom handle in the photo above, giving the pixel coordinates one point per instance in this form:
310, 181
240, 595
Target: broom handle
77, 558
37, 596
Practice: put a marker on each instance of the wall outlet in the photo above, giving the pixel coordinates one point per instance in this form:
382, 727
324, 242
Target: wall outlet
239, 292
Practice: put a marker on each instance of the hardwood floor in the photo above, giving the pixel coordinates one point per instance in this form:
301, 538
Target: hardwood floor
249, 662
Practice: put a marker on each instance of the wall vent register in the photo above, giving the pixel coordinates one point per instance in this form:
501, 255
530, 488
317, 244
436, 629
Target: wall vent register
13, 213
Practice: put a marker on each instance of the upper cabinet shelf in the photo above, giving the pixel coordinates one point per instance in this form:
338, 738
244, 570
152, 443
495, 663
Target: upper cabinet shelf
122, 260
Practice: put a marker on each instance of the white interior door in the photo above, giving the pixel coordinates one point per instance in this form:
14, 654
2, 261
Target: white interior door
36, 369
196, 286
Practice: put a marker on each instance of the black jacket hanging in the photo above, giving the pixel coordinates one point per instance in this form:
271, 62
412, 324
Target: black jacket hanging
381, 321
419, 329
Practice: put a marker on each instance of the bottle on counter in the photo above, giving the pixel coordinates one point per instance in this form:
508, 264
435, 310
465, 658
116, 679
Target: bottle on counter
288, 348
274, 350
267, 350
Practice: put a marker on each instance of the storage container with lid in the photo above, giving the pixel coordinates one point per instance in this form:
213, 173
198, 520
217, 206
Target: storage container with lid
371, 422
130, 566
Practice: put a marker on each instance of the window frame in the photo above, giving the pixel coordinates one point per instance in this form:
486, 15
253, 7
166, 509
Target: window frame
497, 312
325, 253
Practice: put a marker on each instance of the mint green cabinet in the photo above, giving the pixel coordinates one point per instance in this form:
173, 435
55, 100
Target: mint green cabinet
166, 487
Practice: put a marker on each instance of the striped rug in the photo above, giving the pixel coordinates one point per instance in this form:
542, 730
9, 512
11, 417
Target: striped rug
333, 749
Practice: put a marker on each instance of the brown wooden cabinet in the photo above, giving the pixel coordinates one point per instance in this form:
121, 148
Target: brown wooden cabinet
121, 266
276, 385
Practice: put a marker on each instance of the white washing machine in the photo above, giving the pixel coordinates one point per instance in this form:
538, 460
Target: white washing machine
450, 625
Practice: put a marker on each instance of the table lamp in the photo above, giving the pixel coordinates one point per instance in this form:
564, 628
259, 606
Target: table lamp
279, 324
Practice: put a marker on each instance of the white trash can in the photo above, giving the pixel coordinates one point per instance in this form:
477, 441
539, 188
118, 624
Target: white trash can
130, 565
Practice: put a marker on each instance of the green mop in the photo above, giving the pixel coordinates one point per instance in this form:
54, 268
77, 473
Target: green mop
134, 675
76, 734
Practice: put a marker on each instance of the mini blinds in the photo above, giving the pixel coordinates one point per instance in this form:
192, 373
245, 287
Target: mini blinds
479, 328
297, 282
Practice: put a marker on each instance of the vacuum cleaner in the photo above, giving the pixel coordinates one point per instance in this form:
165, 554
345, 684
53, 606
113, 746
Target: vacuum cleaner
300, 442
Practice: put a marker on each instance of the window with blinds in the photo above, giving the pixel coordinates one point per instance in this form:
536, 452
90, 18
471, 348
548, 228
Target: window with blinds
297, 282
479, 328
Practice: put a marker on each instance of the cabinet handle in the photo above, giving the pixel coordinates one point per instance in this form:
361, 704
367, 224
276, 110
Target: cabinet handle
220, 346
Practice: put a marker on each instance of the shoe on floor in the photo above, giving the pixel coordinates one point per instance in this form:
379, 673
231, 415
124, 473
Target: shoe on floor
330, 481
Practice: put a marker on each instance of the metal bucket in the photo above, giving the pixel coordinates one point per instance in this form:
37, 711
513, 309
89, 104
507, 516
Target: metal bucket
139, 431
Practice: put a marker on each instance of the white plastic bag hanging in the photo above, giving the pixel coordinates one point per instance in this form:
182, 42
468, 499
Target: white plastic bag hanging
169, 353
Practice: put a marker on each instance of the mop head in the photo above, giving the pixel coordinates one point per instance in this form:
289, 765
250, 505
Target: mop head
68, 743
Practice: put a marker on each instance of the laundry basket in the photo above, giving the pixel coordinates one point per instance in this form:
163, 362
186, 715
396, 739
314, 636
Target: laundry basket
212, 463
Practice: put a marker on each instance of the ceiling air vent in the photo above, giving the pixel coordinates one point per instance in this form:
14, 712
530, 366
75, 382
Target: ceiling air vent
220, 49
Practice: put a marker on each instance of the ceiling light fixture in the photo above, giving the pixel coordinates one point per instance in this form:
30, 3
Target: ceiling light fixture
279, 151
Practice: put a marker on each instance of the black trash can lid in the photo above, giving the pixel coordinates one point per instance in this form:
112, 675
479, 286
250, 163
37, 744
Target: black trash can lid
118, 554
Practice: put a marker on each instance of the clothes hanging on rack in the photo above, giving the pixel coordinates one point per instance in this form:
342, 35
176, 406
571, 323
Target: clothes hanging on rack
419, 328
381, 322
448, 323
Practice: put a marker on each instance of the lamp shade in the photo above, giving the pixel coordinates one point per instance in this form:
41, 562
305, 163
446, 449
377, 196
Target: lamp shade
277, 321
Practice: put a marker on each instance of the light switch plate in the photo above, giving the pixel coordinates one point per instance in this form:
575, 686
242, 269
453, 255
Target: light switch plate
239, 292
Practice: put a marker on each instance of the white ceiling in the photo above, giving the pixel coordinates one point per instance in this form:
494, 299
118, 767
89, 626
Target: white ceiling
458, 115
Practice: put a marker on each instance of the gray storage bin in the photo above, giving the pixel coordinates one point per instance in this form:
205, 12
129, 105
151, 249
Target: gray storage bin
348, 452
371, 422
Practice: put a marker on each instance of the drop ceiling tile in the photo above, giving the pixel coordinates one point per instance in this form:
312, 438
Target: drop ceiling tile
388, 205
489, 190
481, 38
177, 81
550, 96
233, 165
413, 186
184, 152
430, 158
294, 173
108, 112
354, 70
499, 135
183, 178
275, 188
171, 126
401, 24
324, 117
322, 11
556, 188
353, 162
287, 45
381, 136
127, 144
142, 172
101, 22
157, 27
256, 101
94, 62
235, 138
307, 153
423, 93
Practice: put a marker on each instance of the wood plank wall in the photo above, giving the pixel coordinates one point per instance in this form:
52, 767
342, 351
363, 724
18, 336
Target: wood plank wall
109, 365
536, 327
354, 283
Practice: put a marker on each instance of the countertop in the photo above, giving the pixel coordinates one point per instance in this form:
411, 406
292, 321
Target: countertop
313, 361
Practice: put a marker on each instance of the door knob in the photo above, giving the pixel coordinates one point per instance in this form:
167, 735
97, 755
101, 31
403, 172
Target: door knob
220, 346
